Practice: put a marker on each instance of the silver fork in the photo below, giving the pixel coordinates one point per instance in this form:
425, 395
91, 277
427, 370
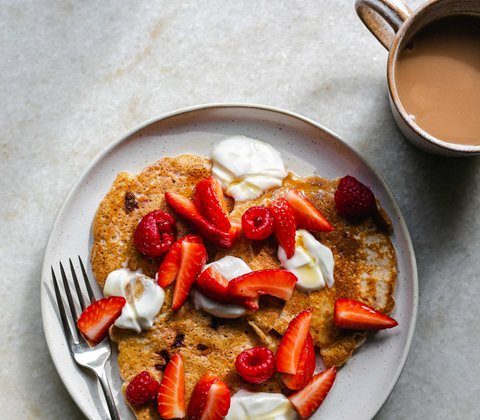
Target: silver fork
93, 358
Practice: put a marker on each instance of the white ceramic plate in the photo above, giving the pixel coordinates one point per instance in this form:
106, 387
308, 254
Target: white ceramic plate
367, 379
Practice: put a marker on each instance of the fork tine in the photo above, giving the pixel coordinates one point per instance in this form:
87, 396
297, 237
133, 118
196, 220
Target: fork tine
61, 309
91, 296
69, 295
80, 296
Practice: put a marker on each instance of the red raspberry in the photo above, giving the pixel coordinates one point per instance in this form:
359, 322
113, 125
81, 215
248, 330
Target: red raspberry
141, 389
155, 233
256, 365
353, 198
257, 223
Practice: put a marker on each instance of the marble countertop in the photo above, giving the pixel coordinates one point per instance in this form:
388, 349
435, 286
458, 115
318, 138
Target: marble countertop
76, 75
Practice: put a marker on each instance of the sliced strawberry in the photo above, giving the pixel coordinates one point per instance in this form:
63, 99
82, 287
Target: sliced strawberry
210, 399
97, 318
212, 284
185, 208
285, 224
308, 399
194, 257
305, 369
278, 283
356, 315
306, 214
168, 270
218, 402
171, 394
291, 345
248, 302
209, 200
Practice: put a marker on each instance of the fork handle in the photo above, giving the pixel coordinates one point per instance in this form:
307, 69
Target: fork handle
112, 408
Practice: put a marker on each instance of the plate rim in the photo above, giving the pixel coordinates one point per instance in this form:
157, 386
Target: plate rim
105, 150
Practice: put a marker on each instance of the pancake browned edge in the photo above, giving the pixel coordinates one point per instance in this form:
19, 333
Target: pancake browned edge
364, 270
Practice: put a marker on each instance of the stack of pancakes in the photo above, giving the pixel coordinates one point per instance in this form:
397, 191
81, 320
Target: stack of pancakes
365, 270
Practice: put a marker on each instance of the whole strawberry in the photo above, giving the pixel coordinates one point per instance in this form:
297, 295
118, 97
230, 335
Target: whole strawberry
141, 389
353, 198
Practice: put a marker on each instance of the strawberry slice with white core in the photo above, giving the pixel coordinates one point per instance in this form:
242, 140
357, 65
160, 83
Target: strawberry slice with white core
97, 318
218, 402
194, 258
355, 315
209, 200
291, 345
171, 394
210, 399
305, 369
278, 283
185, 208
308, 399
168, 270
285, 225
307, 215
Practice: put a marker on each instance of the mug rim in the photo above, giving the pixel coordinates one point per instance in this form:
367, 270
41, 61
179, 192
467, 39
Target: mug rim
392, 58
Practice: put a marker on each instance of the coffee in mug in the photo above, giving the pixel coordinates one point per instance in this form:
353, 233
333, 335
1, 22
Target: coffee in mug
438, 79
433, 70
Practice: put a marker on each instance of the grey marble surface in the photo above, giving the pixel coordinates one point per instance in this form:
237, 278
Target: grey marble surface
77, 74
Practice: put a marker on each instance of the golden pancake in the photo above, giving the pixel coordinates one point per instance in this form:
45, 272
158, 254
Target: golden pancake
205, 343
129, 200
364, 270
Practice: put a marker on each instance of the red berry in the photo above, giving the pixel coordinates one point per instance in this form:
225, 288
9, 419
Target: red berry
305, 369
155, 233
285, 225
193, 259
210, 399
142, 389
353, 198
356, 315
185, 208
278, 283
209, 200
307, 215
257, 223
291, 345
171, 393
168, 270
307, 400
256, 365
97, 318
212, 284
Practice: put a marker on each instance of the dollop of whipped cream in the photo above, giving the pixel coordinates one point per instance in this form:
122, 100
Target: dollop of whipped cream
312, 262
246, 405
143, 295
230, 268
246, 168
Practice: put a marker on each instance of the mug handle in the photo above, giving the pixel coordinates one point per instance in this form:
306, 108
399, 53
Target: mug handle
375, 14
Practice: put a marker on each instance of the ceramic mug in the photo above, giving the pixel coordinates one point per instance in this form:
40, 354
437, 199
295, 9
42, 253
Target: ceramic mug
380, 17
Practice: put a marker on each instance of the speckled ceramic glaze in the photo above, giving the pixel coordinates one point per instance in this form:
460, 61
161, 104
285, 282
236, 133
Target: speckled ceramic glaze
366, 380
380, 17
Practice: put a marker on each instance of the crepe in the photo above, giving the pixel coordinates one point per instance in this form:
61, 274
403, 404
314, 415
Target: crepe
364, 270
